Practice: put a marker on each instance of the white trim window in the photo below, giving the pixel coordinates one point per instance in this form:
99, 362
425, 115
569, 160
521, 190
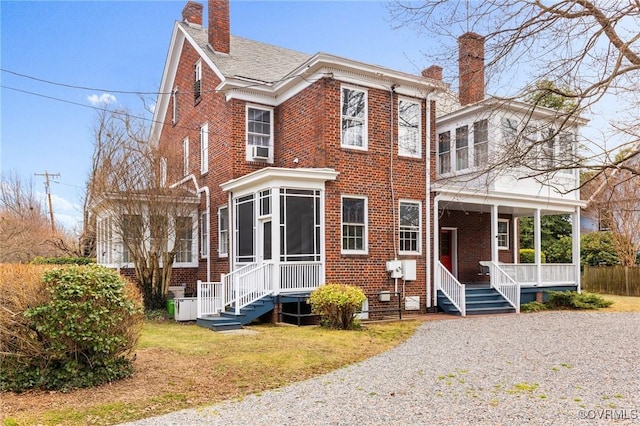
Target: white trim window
204, 234
204, 148
354, 118
410, 224
503, 234
184, 236
185, 156
174, 109
444, 152
223, 231
409, 129
354, 224
480, 143
462, 148
197, 81
259, 126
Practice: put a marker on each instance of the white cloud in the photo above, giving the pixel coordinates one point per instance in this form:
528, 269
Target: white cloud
104, 99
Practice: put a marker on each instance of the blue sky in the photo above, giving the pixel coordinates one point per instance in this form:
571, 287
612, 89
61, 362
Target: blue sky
122, 46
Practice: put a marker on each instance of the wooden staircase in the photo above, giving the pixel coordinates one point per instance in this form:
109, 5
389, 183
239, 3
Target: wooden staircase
479, 301
228, 320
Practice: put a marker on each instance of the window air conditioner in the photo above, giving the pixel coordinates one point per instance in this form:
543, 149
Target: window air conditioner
260, 152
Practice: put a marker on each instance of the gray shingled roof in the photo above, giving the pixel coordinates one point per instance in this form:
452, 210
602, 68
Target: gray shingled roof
248, 58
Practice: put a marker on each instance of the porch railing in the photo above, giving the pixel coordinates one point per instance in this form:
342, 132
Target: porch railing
452, 288
300, 276
248, 284
505, 285
210, 299
550, 273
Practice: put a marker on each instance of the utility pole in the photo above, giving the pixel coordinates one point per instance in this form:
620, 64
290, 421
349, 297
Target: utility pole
48, 175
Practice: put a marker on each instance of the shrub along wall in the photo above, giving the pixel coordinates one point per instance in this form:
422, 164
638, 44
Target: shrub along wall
67, 327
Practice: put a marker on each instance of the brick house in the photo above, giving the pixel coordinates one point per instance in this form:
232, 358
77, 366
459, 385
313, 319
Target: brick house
316, 168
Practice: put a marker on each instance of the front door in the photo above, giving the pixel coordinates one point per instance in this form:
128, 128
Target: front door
446, 249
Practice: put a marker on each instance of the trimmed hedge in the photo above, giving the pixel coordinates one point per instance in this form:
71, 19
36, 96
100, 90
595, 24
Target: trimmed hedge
62, 261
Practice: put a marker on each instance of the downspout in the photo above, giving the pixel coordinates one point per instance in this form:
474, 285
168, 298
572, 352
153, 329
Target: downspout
428, 203
393, 197
436, 236
199, 191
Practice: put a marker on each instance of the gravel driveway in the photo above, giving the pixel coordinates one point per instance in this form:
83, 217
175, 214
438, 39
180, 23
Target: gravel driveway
546, 368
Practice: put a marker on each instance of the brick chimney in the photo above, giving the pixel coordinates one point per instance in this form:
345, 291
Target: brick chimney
471, 68
219, 27
434, 72
192, 13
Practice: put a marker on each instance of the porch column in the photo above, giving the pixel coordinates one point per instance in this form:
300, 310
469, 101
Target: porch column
436, 249
275, 237
575, 249
516, 240
537, 245
494, 233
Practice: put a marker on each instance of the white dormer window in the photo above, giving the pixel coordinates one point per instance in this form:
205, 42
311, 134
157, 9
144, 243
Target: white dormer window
354, 118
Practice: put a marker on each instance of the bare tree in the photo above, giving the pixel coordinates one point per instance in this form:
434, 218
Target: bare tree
589, 49
150, 224
25, 231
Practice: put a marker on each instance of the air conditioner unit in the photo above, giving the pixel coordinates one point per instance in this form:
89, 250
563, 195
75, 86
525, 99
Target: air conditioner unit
260, 152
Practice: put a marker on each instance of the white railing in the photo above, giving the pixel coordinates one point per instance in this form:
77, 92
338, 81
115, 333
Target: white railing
210, 298
452, 289
300, 276
550, 273
505, 285
247, 284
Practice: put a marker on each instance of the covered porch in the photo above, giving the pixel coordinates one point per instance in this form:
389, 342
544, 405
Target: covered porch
277, 223
477, 241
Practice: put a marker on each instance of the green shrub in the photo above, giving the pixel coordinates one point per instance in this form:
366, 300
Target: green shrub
337, 305
62, 261
80, 335
575, 300
528, 256
534, 306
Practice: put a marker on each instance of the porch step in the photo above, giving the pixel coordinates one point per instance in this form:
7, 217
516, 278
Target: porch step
228, 320
479, 301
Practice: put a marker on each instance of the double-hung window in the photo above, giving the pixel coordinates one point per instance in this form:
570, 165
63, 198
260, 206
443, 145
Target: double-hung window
184, 237
549, 149
462, 148
259, 127
410, 224
409, 129
223, 231
444, 147
204, 148
354, 224
503, 234
197, 81
480, 143
354, 118
185, 156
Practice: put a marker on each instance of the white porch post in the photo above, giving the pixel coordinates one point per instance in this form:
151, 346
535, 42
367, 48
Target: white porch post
575, 239
494, 233
516, 240
436, 249
323, 224
275, 238
537, 245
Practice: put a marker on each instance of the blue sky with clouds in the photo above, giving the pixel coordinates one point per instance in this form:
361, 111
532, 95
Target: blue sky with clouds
96, 50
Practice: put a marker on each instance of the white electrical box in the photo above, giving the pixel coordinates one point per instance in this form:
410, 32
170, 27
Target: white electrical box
409, 270
412, 303
186, 308
394, 267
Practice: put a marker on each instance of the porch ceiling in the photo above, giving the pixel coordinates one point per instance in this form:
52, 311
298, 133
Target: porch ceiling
486, 208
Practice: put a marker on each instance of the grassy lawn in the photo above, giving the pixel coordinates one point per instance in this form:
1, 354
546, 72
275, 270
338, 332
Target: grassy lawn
182, 366
622, 303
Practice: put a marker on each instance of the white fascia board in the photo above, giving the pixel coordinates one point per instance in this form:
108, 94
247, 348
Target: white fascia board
302, 178
506, 199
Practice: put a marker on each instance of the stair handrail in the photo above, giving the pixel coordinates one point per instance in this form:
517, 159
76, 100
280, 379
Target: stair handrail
255, 284
230, 284
505, 285
453, 289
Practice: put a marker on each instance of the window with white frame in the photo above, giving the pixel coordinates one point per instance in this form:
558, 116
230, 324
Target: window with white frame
223, 231
185, 156
410, 224
174, 109
204, 148
132, 231
259, 126
548, 149
444, 154
354, 224
566, 143
503, 234
197, 81
105, 241
480, 143
184, 239
204, 234
300, 228
462, 148
409, 129
354, 118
